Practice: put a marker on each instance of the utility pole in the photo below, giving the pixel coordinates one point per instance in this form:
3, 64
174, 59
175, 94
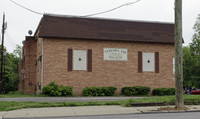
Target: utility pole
4, 72
178, 55
1, 80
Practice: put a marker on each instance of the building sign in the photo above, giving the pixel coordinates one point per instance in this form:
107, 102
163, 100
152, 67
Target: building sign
115, 54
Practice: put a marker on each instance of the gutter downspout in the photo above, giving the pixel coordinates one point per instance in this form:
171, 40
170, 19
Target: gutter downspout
42, 63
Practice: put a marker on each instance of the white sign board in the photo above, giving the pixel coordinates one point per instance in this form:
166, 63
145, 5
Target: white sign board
115, 54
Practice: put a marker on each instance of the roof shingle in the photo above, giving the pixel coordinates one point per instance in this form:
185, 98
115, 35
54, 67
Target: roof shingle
105, 29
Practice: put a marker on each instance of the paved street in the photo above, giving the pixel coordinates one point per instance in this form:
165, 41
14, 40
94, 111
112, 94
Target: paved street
65, 99
186, 115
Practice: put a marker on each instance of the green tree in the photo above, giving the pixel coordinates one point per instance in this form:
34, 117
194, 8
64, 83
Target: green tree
195, 45
11, 77
188, 67
18, 51
194, 61
11, 73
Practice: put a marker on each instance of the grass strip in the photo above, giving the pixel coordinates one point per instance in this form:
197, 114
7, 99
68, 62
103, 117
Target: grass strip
163, 99
20, 95
7, 106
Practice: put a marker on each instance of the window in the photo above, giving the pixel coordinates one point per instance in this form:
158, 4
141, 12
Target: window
148, 62
79, 60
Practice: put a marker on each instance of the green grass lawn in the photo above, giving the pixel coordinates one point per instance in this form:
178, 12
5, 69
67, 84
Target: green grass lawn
6, 106
163, 99
15, 95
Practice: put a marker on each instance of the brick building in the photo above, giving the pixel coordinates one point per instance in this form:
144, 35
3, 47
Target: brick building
80, 52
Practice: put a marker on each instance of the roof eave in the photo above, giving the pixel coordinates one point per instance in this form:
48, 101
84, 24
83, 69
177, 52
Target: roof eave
43, 36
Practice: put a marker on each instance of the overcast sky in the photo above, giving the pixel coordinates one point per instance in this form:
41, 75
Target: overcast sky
19, 20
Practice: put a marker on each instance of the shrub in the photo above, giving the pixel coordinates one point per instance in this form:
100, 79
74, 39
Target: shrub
66, 90
136, 91
99, 91
53, 89
164, 91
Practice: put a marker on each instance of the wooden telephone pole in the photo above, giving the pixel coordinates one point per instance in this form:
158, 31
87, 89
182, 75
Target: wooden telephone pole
1, 76
178, 55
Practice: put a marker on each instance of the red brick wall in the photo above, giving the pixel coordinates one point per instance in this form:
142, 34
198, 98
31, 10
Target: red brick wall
39, 64
28, 63
20, 85
105, 73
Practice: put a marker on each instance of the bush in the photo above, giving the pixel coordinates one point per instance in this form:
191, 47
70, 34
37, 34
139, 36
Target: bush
53, 89
164, 91
99, 91
136, 91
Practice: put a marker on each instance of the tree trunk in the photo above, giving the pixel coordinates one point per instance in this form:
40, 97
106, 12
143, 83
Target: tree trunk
178, 55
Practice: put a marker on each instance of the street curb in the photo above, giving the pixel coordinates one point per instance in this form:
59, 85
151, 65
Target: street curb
168, 112
147, 104
161, 104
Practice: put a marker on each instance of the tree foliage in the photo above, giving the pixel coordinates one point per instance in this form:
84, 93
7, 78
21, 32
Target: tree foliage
18, 51
11, 75
191, 59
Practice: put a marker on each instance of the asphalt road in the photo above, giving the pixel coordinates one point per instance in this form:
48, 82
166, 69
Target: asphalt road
65, 99
187, 115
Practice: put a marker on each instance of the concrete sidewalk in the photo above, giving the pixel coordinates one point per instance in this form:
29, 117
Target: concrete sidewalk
86, 110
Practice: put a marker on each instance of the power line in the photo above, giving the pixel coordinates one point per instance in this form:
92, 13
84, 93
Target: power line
10, 41
125, 4
11, 45
8, 34
26, 8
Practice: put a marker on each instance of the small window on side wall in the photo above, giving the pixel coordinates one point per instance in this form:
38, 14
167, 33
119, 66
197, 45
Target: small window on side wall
80, 60
148, 62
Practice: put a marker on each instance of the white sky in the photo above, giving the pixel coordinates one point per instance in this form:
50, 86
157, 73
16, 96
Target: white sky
20, 20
